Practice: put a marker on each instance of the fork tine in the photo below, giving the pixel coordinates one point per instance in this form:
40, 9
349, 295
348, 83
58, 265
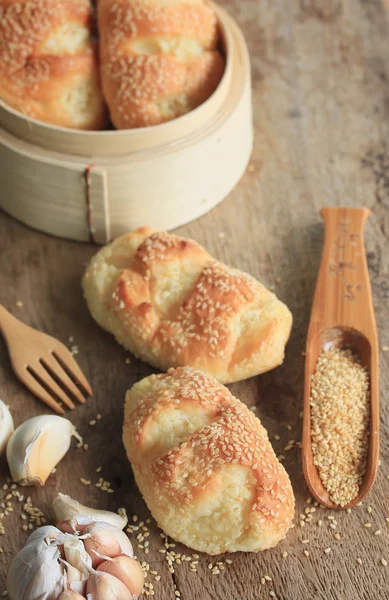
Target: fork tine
60, 351
45, 376
51, 363
35, 387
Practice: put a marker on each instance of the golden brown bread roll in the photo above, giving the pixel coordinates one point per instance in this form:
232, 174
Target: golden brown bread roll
204, 464
171, 304
159, 58
48, 62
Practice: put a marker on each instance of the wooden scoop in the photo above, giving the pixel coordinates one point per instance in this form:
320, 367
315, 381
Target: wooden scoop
342, 315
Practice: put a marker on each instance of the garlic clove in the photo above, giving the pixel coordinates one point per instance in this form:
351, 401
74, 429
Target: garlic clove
66, 508
70, 526
70, 595
35, 572
76, 555
104, 538
103, 586
6, 426
74, 579
36, 447
127, 570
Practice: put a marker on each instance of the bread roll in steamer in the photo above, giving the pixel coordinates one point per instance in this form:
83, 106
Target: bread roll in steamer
48, 62
159, 58
204, 464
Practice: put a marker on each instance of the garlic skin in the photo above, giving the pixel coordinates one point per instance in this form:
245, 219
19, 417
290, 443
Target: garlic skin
36, 447
66, 508
127, 570
102, 586
48, 532
105, 539
6, 426
35, 572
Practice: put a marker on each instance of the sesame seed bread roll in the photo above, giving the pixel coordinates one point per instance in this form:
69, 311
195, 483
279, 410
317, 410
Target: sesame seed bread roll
204, 464
48, 62
171, 304
159, 58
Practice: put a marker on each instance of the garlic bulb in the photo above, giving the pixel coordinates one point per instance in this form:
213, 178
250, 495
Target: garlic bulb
35, 572
105, 539
37, 446
6, 426
102, 586
66, 508
128, 570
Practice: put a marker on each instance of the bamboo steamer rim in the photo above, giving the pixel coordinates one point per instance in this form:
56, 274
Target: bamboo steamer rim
240, 71
120, 142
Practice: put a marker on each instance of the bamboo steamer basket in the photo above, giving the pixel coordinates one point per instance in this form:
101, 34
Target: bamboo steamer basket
94, 186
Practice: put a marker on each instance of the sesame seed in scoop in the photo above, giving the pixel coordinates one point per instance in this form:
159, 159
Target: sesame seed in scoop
340, 419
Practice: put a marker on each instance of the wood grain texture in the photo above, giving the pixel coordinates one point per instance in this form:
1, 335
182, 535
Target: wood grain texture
321, 107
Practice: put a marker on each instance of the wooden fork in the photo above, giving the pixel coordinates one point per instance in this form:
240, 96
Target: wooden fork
42, 363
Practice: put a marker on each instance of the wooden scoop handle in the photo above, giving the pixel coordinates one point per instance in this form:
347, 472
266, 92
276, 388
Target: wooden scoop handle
343, 294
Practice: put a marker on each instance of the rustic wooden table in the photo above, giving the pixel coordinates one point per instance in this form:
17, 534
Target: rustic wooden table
321, 109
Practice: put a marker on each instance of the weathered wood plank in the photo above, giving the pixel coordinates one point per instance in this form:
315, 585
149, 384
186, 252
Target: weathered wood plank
321, 108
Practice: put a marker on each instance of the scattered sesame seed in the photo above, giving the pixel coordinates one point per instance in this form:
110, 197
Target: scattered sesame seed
359, 561
284, 554
378, 532
384, 562
327, 550
306, 552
